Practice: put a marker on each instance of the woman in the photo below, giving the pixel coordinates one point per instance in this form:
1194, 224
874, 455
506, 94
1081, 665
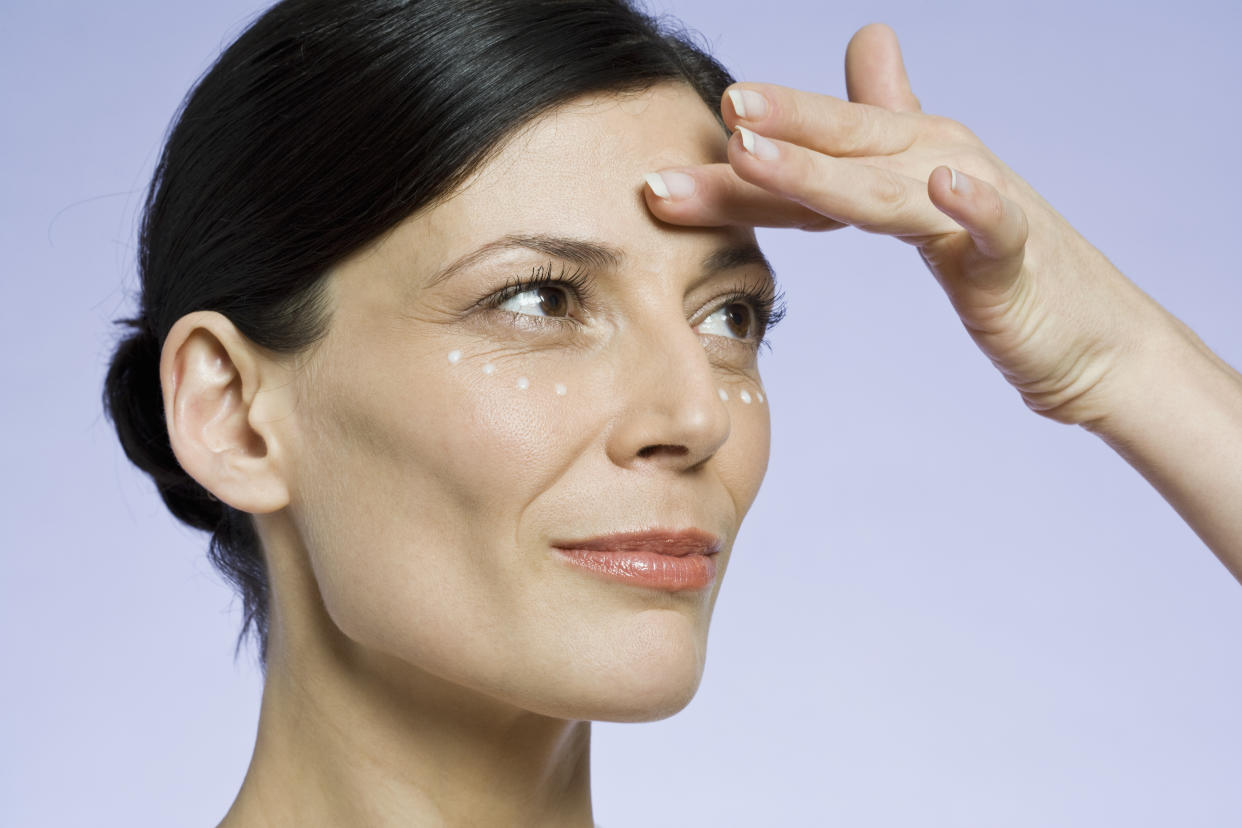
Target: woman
463, 380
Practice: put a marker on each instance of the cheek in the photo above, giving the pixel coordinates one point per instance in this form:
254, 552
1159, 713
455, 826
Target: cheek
423, 466
521, 419
743, 461
480, 428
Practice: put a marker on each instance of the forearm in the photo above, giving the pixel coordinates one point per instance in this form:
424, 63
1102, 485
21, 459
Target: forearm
1179, 423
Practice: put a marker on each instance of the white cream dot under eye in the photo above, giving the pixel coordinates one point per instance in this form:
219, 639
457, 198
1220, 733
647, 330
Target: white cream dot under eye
523, 383
489, 369
724, 395
759, 394
454, 356
745, 395
560, 389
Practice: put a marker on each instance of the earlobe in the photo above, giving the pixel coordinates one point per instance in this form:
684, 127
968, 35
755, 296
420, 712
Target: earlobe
211, 374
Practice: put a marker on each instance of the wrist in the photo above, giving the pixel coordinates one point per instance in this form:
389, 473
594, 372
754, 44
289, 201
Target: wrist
1179, 424
1170, 378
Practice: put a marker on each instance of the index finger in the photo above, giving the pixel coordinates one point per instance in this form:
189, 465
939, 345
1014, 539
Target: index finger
819, 122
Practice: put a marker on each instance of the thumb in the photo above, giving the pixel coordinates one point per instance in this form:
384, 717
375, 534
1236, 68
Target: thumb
997, 229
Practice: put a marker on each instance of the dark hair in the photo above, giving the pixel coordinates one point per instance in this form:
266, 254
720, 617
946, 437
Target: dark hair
321, 127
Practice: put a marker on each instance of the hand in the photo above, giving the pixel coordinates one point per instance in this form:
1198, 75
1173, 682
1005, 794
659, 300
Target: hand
1050, 311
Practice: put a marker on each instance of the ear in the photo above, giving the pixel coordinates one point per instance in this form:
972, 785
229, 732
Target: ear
223, 401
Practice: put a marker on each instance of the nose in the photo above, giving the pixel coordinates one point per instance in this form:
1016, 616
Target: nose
670, 412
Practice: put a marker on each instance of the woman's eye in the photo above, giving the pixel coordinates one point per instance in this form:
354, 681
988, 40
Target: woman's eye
545, 300
735, 320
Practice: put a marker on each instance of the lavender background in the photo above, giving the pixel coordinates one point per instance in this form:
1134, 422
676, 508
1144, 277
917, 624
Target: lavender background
942, 611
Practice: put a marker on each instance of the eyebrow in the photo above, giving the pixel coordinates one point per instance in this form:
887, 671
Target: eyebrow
597, 254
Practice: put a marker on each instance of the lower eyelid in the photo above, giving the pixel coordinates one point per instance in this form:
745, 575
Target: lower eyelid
535, 320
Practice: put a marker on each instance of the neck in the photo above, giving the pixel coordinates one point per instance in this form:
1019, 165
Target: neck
349, 738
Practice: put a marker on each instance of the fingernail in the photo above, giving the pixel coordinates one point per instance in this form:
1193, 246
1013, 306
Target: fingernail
748, 104
758, 146
959, 184
671, 185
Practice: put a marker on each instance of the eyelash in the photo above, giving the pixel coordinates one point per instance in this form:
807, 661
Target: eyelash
768, 305
579, 284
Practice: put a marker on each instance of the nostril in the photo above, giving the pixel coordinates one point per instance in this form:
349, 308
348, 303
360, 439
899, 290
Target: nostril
677, 451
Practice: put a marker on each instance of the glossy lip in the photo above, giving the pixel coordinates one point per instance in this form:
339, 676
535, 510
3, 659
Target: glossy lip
672, 560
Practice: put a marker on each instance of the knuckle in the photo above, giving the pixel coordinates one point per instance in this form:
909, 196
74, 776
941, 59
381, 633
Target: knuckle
951, 130
994, 209
852, 128
794, 115
1024, 228
887, 189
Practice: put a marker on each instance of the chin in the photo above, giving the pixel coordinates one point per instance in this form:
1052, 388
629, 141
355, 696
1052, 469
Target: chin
658, 700
628, 699
632, 679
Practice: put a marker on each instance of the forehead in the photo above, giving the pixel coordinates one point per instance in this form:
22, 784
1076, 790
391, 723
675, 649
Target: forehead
578, 171
604, 142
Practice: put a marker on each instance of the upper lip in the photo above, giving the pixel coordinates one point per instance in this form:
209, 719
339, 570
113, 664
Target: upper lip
678, 543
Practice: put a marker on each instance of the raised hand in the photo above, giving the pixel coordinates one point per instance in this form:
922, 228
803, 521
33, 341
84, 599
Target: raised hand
1058, 320
1081, 342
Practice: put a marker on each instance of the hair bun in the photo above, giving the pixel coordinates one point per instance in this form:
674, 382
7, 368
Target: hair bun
133, 400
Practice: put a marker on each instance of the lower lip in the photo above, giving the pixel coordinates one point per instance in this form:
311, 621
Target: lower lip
649, 569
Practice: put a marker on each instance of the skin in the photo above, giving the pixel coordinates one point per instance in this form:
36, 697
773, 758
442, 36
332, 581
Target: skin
432, 661
395, 697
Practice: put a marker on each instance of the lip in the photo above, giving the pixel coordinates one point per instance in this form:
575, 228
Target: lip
672, 560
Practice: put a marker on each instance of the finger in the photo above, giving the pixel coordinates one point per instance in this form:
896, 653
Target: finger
875, 72
819, 122
997, 226
711, 195
870, 198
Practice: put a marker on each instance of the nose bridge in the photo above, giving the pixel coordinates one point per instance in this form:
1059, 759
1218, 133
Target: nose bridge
671, 410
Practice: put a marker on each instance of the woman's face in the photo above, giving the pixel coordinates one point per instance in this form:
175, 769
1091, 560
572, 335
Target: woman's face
450, 436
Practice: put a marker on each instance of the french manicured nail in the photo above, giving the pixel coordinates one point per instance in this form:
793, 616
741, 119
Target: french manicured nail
758, 146
748, 104
959, 182
671, 185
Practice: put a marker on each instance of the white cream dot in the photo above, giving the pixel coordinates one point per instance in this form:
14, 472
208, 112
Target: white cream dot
489, 369
759, 394
523, 383
724, 395
454, 356
745, 395
560, 389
